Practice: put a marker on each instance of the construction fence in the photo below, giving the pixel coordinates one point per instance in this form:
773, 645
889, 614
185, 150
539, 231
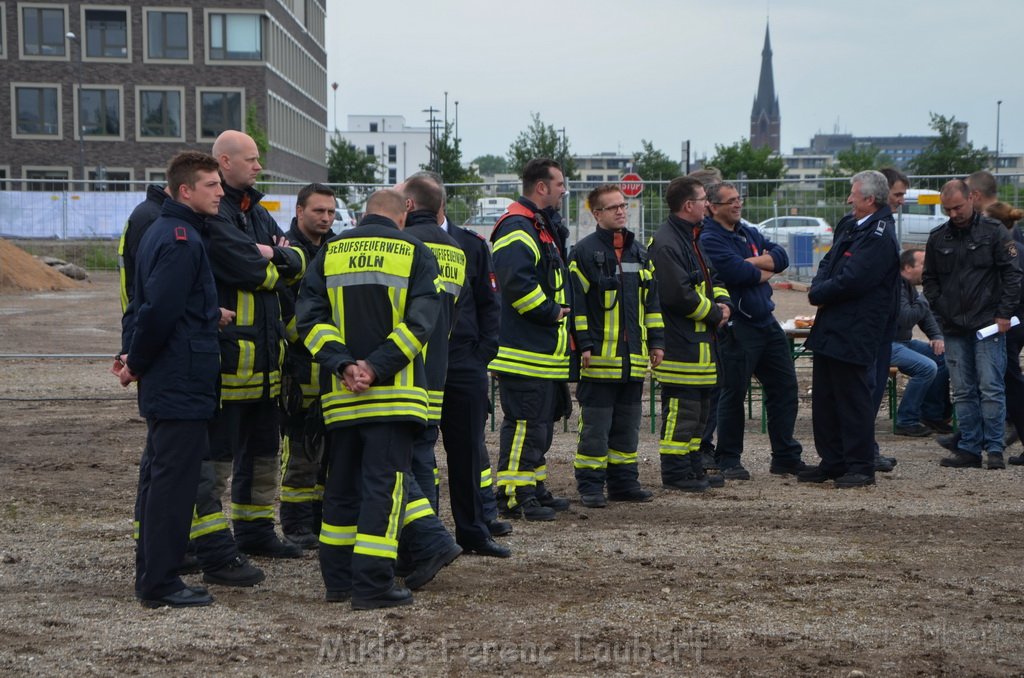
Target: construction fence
83, 226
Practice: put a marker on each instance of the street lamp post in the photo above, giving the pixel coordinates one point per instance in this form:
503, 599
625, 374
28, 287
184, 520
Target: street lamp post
334, 86
999, 105
81, 129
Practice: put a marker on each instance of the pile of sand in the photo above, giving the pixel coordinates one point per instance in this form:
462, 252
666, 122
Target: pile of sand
19, 270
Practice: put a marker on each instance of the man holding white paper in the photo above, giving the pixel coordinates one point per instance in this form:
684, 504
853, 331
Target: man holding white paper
972, 281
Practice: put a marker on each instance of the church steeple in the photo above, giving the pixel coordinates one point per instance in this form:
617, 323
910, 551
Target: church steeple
765, 121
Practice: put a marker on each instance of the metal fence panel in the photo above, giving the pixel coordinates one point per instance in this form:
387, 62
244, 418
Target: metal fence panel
46, 216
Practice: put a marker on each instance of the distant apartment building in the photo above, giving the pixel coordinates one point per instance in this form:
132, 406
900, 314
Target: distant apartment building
400, 150
112, 90
899, 149
602, 168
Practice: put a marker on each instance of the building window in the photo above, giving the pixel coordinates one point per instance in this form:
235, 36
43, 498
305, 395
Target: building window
156, 176
168, 35
99, 113
392, 176
219, 110
106, 33
3, 34
371, 150
4, 173
42, 31
160, 114
373, 127
43, 179
236, 37
392, 154
104, 179
37, 111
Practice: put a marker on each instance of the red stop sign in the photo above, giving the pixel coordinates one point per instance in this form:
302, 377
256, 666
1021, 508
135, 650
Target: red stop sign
632, 185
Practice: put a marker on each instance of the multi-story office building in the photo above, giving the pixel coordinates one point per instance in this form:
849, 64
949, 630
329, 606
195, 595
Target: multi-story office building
398, 149
113, 89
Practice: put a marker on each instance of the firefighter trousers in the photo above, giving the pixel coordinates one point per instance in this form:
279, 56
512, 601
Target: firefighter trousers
609, 435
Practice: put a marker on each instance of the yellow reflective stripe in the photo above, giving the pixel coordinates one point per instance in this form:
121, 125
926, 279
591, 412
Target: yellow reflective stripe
520, 237
720, 292
556, 360
122, 274
702, 308
617, 457
207, 524
135, 530
380, 547
541, 474
245, 308
406, 342
486, 479
516, 478
575, 269
299, 495
397, 508
290, 331
252, 511
562, 343
337, 535
302, 266
581, 323
271, 278
320, 335
583, 461
654, 321
437, 476
530, 300
415, 510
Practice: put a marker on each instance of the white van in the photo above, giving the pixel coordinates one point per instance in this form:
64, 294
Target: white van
920, 214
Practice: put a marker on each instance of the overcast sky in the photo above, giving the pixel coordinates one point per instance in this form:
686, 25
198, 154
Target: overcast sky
613, 73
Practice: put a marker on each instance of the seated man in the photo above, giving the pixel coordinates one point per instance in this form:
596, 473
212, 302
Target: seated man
924, 404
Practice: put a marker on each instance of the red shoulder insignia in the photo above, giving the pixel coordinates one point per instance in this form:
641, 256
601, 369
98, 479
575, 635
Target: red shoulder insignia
494, 282
180, 234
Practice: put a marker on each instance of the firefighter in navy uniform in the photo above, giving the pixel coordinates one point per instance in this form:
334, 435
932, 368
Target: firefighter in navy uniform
473, 344
425, 197
532, 363
618, 328
144, 214
252, 263
366, 307
302, 448
169, 339
693, 305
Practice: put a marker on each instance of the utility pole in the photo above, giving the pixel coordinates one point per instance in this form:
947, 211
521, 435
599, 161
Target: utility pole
78, 126
999, 105
432, 121
334, 86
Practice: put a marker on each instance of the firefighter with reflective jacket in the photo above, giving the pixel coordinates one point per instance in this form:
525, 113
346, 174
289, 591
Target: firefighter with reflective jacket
618, 327
532, 364
693, 305
365, 310
302, 449
252, 263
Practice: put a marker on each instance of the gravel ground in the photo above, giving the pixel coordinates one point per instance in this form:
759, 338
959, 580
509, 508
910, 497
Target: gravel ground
919, 575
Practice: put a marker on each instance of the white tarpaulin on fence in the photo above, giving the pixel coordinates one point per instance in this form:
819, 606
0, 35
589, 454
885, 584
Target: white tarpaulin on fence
41, 214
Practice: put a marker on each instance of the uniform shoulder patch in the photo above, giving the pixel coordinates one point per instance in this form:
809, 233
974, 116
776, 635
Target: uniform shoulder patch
180, 233
1011, 247
880, 228
494, 282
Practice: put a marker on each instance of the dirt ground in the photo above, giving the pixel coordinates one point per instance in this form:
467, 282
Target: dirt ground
919, 575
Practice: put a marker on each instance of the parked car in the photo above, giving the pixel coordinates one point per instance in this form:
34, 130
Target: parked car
344, 218
918, 218
778, 229
483, 224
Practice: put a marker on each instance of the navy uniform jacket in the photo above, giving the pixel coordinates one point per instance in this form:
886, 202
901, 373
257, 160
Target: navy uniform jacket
474, 340
142, 217
170, 328
728, 251
856, 291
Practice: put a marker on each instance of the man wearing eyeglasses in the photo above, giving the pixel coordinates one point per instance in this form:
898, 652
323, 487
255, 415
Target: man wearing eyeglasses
693, 305
972, 281
752, 342
618, 328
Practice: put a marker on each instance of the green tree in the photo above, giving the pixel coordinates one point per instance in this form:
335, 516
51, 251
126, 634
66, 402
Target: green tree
256, 130
347, 164
491, 164
654, 165
848, 163
946, 154
449, 157
540, 141
743, 160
